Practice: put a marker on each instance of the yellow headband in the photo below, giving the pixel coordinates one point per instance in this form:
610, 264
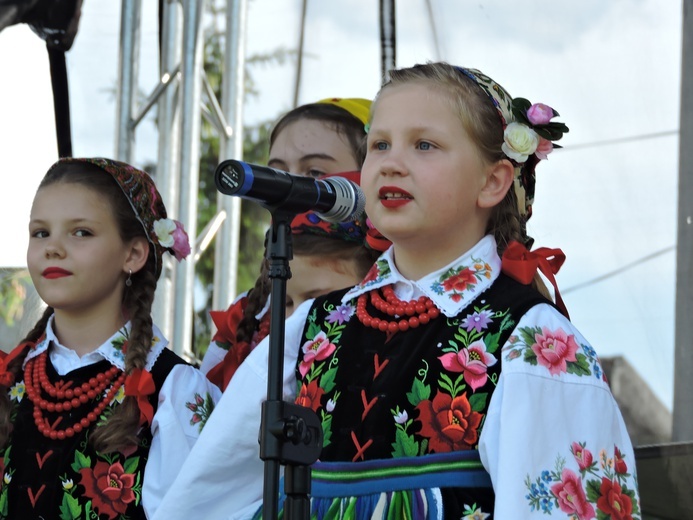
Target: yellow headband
358, 107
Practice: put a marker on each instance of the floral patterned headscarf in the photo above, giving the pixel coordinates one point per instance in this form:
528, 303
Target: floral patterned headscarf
528, 134
164, 234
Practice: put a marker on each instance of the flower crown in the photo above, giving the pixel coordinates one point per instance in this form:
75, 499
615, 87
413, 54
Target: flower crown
528, 134
532, 132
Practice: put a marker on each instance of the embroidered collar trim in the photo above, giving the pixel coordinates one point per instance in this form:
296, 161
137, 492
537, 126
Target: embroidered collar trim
451, 288
111, 349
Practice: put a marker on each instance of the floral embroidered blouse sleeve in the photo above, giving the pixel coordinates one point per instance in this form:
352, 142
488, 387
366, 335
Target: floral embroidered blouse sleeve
576, 459
186, 400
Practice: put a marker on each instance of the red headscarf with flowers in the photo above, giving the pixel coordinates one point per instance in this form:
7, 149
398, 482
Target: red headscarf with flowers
164, 234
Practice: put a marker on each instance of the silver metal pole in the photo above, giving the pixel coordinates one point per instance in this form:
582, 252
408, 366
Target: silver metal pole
167, 179
683, 350
128, 57
232, 90
191, 86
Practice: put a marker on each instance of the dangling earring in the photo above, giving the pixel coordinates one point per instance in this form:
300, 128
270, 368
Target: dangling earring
128, 282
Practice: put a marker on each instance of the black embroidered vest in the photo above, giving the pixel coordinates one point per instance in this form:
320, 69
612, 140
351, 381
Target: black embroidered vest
68, 479
426, 390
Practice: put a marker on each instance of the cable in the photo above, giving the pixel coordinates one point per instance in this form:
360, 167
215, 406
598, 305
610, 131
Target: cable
619, 140
618, 271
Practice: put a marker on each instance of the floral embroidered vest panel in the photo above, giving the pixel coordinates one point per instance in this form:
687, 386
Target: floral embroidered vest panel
425, 390
68, 479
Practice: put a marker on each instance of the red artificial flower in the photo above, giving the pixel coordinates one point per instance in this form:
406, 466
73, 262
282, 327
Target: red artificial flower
109, 488
449, 423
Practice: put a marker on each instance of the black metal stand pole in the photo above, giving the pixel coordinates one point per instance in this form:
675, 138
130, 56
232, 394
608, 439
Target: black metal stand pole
290, 435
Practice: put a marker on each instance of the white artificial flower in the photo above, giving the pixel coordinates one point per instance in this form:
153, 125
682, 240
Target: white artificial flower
164, 228
520, 141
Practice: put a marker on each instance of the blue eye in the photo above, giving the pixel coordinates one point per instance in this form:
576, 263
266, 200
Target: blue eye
423, 145
381, 145
40, 233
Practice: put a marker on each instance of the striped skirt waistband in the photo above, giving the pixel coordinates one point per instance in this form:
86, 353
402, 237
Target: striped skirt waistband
455, 469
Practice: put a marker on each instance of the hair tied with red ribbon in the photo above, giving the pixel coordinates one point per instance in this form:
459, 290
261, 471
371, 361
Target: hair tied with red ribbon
7, 378
140, 384
521, 265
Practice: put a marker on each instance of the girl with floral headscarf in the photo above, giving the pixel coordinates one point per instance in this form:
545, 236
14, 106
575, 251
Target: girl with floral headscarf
97, 415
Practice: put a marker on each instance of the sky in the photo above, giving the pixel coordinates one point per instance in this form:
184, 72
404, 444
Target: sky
612, 70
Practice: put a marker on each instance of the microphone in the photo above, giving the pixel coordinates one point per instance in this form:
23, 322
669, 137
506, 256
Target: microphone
334, 199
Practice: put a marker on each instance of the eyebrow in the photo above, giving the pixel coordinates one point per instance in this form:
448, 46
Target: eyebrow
305, 158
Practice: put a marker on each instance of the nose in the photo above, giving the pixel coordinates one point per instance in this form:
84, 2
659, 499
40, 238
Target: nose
54, 249
392, 162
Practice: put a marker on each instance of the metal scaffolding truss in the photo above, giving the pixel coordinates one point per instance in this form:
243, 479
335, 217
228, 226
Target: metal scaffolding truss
178, 98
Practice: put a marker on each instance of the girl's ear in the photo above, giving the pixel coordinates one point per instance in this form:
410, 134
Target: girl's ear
499, 179
137, 255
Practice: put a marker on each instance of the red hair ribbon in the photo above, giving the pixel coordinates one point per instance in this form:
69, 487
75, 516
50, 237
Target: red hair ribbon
521, 264
6, 375
140, 384
227, 324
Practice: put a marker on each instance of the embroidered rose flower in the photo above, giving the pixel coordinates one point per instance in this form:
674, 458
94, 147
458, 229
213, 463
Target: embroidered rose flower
473, 361
171, 235
310, 395
582, 456
317, 349
108, 487
613, 501
461, 281
449, 423
554, 349
620, 465
540, 114
571, 497
520, 142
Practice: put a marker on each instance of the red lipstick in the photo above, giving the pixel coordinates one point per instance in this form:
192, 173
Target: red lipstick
55, 272
394, 197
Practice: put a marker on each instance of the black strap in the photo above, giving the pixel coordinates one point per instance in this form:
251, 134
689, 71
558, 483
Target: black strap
61, 101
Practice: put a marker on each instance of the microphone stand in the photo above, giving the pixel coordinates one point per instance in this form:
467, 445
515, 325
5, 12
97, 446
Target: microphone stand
290, 434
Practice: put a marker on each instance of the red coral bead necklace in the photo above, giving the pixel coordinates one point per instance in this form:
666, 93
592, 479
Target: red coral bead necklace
419, 311
62, 398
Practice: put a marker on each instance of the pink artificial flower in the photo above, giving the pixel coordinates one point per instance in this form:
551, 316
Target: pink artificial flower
171, 235
571, 497
540, 114
181, 243
544, 148
472, 361
555, 349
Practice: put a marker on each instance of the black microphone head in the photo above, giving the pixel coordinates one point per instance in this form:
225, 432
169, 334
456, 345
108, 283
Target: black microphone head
350, 201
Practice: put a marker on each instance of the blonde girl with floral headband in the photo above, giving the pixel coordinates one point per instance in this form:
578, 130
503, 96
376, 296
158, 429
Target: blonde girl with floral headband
446, 384
97, 414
